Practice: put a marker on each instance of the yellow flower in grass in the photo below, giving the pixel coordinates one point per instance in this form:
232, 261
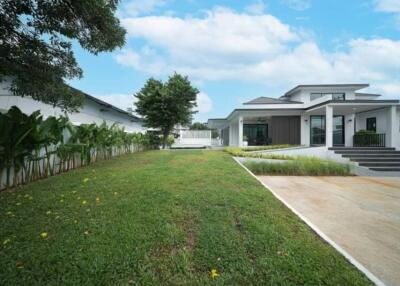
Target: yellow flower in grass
44, 235
84, 202
115, 193
6, 241
85, 180
97, 200
214, 273
61, 201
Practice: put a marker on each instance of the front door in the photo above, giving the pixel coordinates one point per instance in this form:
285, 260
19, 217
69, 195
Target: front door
317, 130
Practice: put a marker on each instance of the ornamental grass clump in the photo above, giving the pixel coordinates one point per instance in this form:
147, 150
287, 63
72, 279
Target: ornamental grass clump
300, 167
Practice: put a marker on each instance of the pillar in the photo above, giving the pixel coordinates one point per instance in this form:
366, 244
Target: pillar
329, 126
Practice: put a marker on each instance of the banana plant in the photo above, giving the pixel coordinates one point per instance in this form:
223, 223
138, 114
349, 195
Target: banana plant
16, 140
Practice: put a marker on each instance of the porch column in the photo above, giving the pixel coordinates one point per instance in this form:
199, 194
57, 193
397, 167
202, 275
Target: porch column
391, 138
329, 126
240, 131
349, 121
305, 129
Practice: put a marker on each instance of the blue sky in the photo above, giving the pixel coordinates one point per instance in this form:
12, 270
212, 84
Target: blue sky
236, 50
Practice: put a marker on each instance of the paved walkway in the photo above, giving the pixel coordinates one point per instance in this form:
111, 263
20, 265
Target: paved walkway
361, 214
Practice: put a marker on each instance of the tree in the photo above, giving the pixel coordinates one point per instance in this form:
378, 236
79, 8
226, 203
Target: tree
163, 105
35, 44
198, 126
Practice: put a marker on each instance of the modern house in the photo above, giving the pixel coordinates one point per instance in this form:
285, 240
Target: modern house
93, 110
314, 115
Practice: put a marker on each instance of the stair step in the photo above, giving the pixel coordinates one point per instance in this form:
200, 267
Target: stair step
379, 164
375, 159
394, 156
361, 148
367, 152
386, 169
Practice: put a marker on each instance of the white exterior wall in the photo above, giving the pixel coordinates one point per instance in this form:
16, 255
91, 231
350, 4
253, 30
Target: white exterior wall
90, 112
383, 124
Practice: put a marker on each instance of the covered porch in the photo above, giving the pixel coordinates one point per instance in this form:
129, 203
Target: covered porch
328, 124
336, 125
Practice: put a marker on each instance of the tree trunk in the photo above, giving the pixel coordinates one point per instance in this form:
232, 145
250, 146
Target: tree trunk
164, 140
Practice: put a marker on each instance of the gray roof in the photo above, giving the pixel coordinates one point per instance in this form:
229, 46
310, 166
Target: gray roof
270, 100
355, 86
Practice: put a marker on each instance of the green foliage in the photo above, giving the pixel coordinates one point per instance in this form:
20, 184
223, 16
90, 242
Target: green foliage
198, 126
161, 218
170, 140
163, 105
36, 44
300, 167
32, 147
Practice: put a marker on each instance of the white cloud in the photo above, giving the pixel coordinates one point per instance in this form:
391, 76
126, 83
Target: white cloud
204, 103
226, 45
388, 6
256, 8
299, 5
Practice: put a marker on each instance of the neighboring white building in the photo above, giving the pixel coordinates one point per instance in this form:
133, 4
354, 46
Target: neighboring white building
312, 115
93, 110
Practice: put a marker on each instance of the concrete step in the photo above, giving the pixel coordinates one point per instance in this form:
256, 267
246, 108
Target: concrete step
386, 169
380, 164
355, 156
375, 159
361, 148
367, 152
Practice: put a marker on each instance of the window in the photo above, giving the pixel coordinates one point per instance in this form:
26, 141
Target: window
371, 124
335, 96
316, 95
338, 96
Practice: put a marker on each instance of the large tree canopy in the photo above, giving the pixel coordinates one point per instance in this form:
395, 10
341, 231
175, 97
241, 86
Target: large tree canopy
163, 105
35, 44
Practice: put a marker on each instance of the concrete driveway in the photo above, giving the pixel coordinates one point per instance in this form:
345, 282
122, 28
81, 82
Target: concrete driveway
360, 214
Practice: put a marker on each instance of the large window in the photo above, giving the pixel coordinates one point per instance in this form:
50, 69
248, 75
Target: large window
317, 130
338, 130
256, 134
371, 124
335, 96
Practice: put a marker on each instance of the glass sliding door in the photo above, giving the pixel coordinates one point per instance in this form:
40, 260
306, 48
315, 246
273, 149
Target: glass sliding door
317, 131
338, 130
256, 134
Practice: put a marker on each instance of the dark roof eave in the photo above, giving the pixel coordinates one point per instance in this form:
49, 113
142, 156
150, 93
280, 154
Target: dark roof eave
293, 90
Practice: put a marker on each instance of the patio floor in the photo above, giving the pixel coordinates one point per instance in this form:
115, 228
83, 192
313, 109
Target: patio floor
361, 214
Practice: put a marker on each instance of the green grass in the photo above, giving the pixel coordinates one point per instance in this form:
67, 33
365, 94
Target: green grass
162, 218
300, 167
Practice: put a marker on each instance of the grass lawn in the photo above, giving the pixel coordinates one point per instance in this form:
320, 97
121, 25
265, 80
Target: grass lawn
160, 218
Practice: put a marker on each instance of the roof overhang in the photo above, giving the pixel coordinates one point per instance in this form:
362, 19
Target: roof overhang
319, 87
352, 106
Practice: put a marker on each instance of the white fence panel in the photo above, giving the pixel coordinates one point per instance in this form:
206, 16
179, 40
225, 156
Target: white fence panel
195, 137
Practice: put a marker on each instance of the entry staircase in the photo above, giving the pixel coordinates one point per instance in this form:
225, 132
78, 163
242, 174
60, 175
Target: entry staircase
374, 158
